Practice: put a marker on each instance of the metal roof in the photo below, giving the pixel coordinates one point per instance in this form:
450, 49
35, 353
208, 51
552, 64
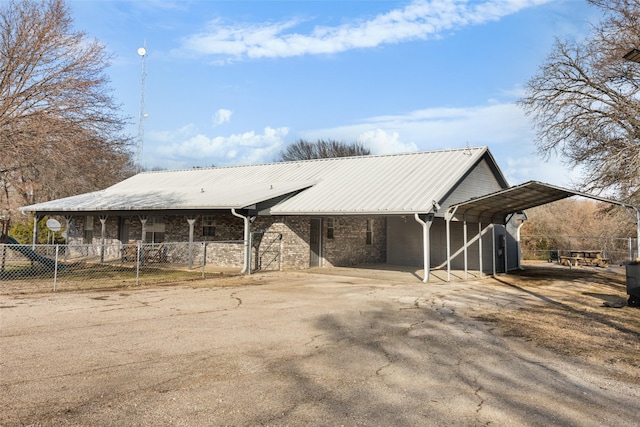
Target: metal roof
386, 184
495, 207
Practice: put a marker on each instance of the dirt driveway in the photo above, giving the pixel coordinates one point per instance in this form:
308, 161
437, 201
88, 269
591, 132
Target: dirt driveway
315, 349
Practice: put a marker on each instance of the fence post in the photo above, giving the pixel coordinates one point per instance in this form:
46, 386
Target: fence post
55, 269
204, 257
138, 249
280, 254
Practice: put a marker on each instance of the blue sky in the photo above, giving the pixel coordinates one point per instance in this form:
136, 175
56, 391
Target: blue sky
234, 82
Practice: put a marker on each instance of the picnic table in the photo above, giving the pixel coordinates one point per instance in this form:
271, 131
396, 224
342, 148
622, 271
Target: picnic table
584, 257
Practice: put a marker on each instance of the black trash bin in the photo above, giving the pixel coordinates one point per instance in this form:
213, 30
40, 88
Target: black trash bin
633, 284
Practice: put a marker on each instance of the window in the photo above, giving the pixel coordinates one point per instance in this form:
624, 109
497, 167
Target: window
329, 228
88, 230
155, 229
369, 232
208, 226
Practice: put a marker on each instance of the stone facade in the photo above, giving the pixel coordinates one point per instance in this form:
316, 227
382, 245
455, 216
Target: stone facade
280, 242
348, 246
349, 243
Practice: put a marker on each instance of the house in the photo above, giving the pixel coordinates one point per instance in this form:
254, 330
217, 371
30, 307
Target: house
403, 209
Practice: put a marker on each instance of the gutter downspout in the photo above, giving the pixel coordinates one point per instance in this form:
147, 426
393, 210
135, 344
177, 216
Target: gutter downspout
246, 269
426, 226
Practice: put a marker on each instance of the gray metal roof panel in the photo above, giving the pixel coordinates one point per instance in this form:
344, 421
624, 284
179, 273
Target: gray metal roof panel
387, 184
495, 207
171, 197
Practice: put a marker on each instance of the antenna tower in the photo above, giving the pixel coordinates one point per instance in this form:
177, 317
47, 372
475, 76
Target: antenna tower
143, 54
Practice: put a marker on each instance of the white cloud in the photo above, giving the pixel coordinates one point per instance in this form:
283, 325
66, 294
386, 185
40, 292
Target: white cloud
381, 142
221, 116
502, 127
435, 128
198, 149
419, 20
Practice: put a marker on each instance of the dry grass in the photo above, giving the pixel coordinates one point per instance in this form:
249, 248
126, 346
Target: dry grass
573, 316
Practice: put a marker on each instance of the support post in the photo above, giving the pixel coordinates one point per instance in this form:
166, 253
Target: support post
448, 216
191, 221
35, 231
426, 259
519, 246
103, 232
493, 245
480, 247
505, 250
143, 232
448, 250
68, 219
55, 268
247, 238
464, 231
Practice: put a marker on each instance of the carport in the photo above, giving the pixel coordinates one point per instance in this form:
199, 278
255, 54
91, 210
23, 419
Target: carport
507, 205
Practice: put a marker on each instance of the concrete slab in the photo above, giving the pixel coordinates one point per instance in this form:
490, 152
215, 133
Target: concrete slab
292, 348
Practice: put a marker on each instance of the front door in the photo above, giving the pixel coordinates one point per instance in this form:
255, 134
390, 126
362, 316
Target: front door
314, 242
124, 229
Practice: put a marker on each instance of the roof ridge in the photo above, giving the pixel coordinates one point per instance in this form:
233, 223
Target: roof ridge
329, 159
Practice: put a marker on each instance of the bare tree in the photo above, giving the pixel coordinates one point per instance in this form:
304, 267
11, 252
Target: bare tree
304, 150
585, 106
60, 130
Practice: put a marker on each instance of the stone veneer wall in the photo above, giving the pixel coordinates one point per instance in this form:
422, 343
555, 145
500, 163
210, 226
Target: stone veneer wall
295, 238
347, 247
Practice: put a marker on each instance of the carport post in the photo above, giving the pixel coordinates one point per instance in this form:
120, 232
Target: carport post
493, 245
505, 249
518, 245
448, 216
464, 231
426, 225
480, 247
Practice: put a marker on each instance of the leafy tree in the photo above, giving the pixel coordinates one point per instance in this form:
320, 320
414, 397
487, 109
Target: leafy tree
23, 232
60, 129
305, 150
585, 102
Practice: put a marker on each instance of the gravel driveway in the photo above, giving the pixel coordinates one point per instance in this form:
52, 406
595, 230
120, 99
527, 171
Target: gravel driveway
291, 349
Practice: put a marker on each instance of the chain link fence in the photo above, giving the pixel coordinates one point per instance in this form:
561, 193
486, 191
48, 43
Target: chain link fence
547, 247
42, 268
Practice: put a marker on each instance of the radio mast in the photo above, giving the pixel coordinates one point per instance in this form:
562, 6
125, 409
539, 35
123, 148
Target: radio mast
143, 54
